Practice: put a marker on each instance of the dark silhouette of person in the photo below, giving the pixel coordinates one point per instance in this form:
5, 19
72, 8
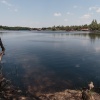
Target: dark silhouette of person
2, 46
3, 49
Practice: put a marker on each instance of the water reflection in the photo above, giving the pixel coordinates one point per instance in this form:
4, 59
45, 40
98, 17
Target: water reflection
92, 36
49, 62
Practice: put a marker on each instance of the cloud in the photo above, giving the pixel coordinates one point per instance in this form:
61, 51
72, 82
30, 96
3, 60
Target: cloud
86, 16
57, 14
6, 3
98, 10
69, 13
95, 8
10, 7
65, 20
92, 8
16, 10
75, 6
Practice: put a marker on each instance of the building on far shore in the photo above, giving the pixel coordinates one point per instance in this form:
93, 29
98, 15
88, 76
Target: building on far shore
85, 29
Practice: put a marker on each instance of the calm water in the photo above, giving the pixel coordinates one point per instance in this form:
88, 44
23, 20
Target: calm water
51, 61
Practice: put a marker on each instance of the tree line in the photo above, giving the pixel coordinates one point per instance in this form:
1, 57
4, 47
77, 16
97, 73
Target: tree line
13, 28
94, 26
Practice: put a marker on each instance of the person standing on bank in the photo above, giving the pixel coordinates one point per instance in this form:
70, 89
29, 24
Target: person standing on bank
3, 49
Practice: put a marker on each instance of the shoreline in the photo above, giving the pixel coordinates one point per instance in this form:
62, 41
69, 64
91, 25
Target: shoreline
9, 92
89, 31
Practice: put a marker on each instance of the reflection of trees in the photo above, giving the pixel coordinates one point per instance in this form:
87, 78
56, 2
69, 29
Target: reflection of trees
1, 33
92, 36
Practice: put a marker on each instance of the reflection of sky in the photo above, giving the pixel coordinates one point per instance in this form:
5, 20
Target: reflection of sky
97, 49
51, 61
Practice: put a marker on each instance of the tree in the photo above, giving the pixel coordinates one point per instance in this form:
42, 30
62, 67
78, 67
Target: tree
94, 25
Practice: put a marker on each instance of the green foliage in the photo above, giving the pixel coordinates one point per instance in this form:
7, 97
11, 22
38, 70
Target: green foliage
94, 26
13, 28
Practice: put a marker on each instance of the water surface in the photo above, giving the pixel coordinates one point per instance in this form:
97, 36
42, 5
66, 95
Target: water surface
47, 61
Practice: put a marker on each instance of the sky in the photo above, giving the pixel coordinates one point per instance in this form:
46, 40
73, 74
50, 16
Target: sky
47, 13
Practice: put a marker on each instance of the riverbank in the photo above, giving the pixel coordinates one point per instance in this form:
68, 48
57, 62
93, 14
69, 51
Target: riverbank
9, 92
71, 95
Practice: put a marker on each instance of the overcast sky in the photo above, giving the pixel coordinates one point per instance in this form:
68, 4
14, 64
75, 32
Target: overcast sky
44, 13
